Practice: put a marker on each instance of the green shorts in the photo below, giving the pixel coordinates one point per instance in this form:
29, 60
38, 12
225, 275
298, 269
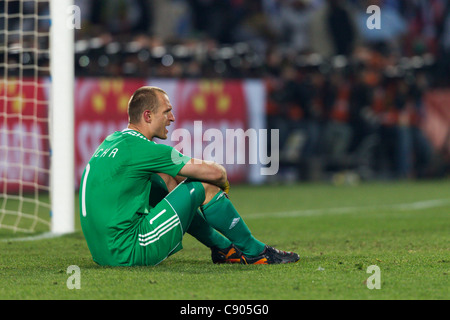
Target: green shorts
159, 233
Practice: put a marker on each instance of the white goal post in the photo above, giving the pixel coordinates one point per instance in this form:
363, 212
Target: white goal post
37, 189
62, 117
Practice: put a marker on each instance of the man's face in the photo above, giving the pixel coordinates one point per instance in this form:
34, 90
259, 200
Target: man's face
162, 117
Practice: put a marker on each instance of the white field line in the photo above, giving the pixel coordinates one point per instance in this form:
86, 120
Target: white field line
411, 206
47, 235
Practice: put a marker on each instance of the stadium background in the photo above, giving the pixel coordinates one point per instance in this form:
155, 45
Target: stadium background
351, 103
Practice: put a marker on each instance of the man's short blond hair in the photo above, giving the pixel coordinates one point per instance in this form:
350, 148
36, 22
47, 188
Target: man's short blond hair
144, 98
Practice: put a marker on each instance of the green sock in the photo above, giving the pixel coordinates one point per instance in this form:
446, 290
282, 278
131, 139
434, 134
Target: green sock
222, 216
204, 233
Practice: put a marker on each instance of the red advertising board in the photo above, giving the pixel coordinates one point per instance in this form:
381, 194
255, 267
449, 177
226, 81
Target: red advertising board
24, 141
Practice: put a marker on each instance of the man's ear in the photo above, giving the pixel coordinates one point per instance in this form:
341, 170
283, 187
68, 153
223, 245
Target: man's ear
147, 116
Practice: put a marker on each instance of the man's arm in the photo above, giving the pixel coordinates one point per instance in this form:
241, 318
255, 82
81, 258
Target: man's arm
206, 171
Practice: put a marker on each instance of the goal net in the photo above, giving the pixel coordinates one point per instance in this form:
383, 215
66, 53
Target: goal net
29, 107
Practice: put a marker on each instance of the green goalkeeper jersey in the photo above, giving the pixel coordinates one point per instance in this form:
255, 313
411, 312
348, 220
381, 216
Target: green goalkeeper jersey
115, 190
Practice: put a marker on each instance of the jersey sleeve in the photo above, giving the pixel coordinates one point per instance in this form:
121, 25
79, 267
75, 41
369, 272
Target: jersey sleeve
158, 158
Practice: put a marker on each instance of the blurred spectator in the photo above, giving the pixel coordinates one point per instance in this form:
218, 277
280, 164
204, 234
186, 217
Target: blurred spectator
121, 16
387, 38
362, 118
335, 131
178, 26
443, 64
333, 29
404, 145
254, 27
422, 148
424, 19
292, 112
446, 30
293, 24
218, 19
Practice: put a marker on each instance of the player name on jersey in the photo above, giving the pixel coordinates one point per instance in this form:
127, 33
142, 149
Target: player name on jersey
110, 153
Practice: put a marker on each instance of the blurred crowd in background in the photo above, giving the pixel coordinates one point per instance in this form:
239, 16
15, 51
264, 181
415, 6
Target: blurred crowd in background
342, 95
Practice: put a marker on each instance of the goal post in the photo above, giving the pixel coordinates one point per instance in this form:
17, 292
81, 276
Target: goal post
62, 117
37, 188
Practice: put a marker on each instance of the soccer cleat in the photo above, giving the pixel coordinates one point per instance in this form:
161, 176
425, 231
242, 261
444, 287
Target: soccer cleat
271, 255
227, 255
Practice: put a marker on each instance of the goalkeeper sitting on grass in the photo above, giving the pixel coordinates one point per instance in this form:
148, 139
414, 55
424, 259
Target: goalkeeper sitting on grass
138, 198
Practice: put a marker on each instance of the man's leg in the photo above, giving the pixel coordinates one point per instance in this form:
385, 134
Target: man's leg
203, 232
162, 185
220, 213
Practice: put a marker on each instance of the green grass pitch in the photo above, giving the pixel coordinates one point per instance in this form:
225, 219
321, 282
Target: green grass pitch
403, 228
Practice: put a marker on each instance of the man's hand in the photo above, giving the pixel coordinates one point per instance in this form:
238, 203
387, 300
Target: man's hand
226, 188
